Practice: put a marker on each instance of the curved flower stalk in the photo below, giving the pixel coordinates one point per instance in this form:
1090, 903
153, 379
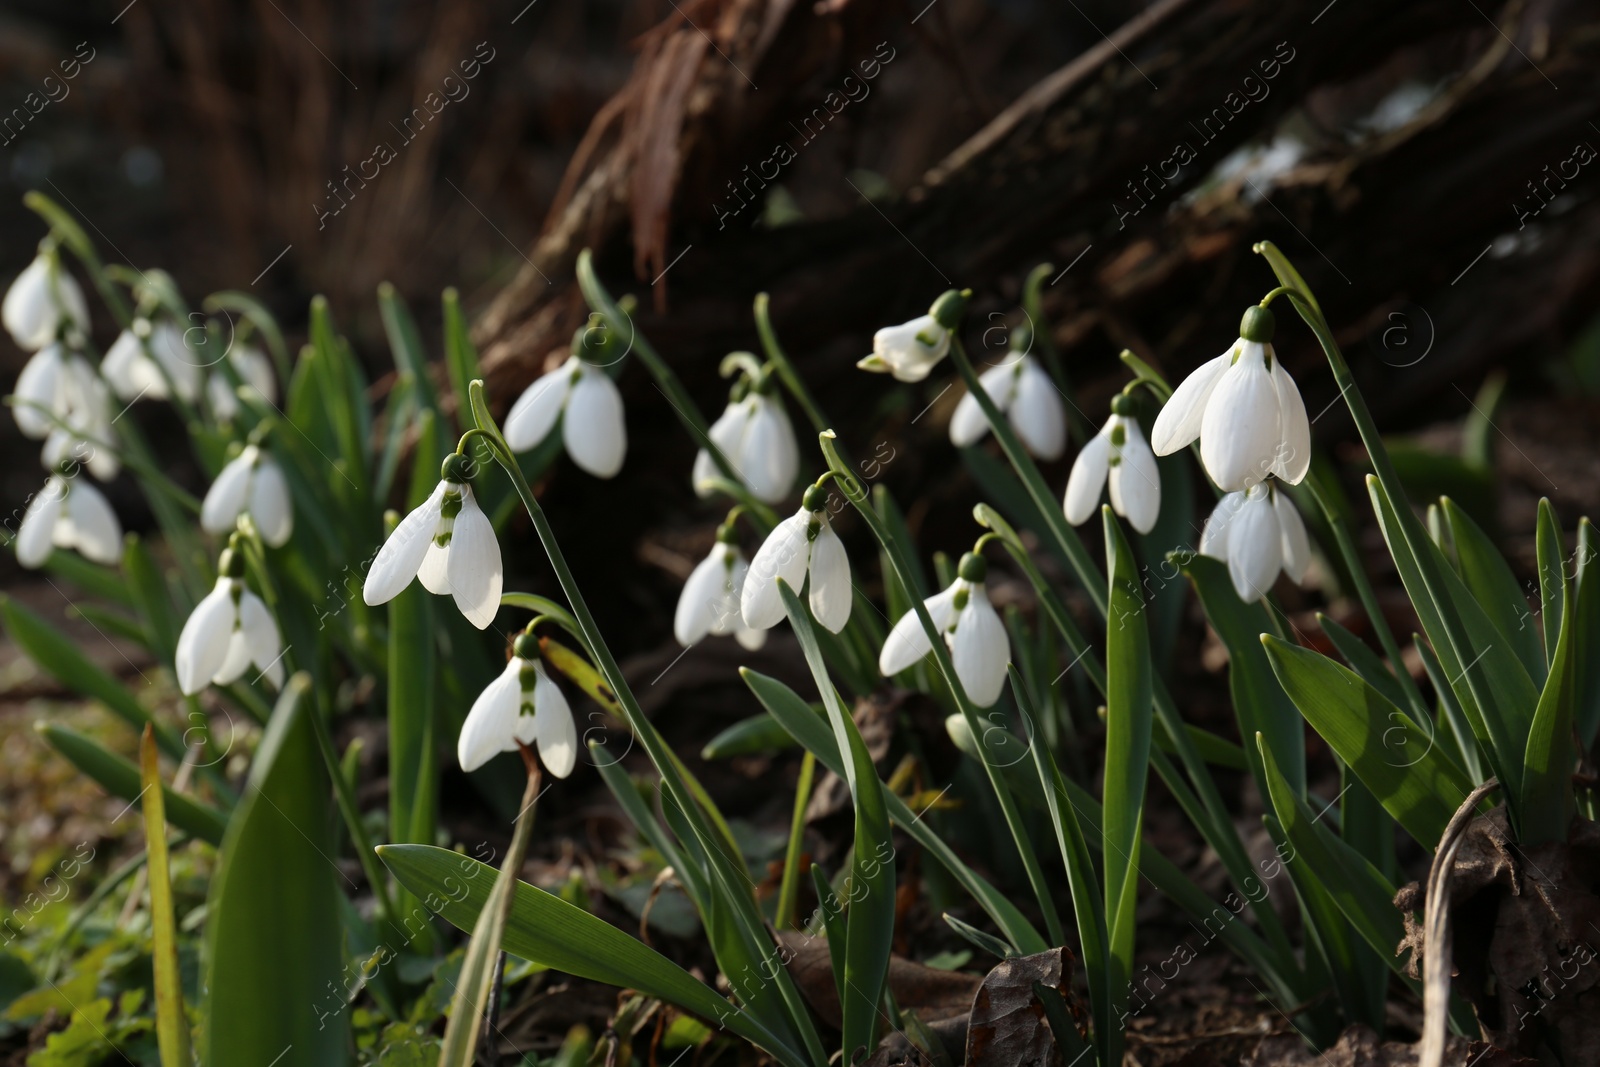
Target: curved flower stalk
802, 544
1022, 389
252, 483
709, 603
152, 360
1245, 409
912, 349
583, 398
755, 435
522, 707
68, 513
1118, 454
255, 372
972, 629
44, 303
229, 630
1258, 533
448, 544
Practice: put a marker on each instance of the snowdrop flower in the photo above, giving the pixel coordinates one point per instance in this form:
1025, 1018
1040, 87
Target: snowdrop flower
68, 513
53, 382
592, 428
521, 707
448, 544
912, 349
710, 600
229, 630
755, 435
971, 627
1024, 393
41, 301
1257, 533
85, 425
1118, 454
252, 483
801, 544
1246, 411
145, 358
254, 371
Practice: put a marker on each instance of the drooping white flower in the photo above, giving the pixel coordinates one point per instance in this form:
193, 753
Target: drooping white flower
43, 303
912, 349
1024, 393
589, 406
1245, 409
254, 371
1118, 454
84, 434
802, 544
1257, 533
145, 357
449, 545
520, 707
758, 440
709, 603
45, 388
68, 513
229, 630
253, 483
971, 627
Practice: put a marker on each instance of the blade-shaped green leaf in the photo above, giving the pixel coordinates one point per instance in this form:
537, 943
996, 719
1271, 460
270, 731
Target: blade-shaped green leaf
272, 939
1488, 576
1549, 759
460, 355
1586, 635
1552, 554
1363, 661
172, 1028
1391, 753
120, 778
543, 928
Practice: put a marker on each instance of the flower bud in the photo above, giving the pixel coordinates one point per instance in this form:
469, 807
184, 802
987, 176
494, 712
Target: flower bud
948, 309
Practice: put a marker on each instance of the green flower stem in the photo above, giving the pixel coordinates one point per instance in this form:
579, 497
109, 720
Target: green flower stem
729, 870
1145, 373
780, 362
789, 888
857, 495
1369, 599
1083, 565
550, 610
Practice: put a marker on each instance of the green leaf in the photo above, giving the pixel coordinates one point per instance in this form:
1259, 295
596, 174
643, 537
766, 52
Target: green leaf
1388, 751
1488, 577
1549, 760
460, 355
151, 596
172, 1028
803, 723
869, 922
1128, 727
1364, 661
405, 343
120, 778
412, 759
273, 940
1586, 635
545, 929
1552, 576
1258, 699
759, 734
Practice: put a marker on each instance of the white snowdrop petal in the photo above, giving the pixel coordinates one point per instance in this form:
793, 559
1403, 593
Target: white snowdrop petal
769, 459
400, 557
255, 370
831, 591
903, 351
725, 433
595, 433
490, 726
269, 503
1296, 545
260, 632
784, 554
1088, 477
1255, 547
39, 391
36, 534
1214, 536
702, 598
908, 642
968, 424
1037, 414
1240, 431
1294, 451
534, 414
474, 569
557, 733
120, 365
228, 495
980, 649
1178, 424
434, 573
235, 661
95, 530
203, 644
749, 640
1136, 481
31, 310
